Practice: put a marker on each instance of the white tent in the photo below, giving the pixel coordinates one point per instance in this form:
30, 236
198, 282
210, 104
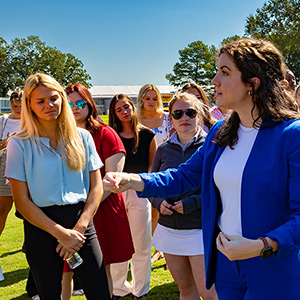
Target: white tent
108, 91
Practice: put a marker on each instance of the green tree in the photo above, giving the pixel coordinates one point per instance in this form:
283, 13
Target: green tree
74, 71
230, 39
25, 58
5, 72
279, 22
197, 63
29, 55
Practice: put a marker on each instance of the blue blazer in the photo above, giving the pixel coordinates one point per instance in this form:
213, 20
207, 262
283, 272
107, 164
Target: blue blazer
270, 198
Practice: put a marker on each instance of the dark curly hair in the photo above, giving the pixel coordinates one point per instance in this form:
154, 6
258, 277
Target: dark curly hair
261, 59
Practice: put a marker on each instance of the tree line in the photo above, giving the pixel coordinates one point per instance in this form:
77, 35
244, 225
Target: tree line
277, 21
26, 56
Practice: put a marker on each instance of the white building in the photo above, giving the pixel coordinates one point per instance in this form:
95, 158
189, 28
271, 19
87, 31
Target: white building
102, 94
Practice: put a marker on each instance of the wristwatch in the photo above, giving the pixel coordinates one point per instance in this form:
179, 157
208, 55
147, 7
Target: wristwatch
267, 251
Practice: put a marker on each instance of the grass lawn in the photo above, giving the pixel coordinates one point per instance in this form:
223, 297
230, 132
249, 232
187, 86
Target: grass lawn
15, 268
104, 118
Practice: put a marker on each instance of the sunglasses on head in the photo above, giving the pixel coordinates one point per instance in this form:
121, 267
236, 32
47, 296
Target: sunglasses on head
79, 103
190, 112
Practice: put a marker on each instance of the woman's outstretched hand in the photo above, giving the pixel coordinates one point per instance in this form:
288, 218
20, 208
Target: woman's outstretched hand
117, 182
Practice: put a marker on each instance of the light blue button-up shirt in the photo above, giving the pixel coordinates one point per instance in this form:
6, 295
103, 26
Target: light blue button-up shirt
50, 181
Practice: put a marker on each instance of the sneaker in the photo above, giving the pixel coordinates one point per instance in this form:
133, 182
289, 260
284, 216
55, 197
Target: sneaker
78, 292
1, 274
120, 297
156, 256
140, 297
36, 297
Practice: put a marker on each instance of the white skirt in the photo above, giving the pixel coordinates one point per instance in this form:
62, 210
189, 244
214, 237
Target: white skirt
184, 242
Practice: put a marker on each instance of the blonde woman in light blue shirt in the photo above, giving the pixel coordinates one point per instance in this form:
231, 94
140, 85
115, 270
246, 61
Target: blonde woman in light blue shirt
53, 169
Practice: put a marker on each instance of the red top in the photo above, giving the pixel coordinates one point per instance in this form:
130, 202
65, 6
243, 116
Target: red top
108, 143
111, 221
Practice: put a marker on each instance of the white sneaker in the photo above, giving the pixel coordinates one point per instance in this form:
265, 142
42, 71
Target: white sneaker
78, 292
36, 297
1, 274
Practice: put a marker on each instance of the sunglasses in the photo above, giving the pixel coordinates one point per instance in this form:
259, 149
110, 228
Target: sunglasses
79, 103
190, 112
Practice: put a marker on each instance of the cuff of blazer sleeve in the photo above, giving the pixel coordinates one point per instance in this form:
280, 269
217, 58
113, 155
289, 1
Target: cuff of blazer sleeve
282, 250
147, 180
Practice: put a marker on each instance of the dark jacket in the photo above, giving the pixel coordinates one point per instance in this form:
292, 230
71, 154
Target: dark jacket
171, 155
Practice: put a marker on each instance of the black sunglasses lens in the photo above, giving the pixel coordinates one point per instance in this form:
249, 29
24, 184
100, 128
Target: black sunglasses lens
191, 113
177, 114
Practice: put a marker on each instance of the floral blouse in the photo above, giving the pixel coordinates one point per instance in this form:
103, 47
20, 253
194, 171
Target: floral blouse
162, 133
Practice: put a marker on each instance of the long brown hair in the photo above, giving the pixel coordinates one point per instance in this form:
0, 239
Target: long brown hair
261, 59
93, 122
116, 124
208, 120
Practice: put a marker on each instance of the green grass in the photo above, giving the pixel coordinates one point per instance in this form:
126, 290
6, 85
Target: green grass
15, 268
104, 118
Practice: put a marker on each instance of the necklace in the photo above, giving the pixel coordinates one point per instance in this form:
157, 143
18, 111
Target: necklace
148, 119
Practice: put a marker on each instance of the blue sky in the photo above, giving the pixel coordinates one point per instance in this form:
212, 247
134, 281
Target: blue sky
125, 42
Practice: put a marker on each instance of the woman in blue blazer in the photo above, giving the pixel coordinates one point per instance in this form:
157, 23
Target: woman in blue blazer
249, 170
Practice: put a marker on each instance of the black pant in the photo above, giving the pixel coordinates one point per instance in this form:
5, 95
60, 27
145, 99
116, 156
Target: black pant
31, 286
47, 266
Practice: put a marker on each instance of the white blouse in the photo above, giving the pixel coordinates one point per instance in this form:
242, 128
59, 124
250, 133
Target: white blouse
228, 174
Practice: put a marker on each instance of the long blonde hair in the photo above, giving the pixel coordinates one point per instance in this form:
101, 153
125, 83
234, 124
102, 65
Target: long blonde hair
67, 134
142, 93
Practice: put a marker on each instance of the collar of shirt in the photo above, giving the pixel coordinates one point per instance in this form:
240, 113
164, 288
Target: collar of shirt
174, 139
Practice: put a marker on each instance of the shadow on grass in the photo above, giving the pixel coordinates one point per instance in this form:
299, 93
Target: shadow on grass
10, 253
21, 297
165, 291
14, 277
161, 266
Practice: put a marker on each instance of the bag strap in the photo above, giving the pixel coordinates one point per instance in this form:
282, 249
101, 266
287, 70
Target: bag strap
3, 124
